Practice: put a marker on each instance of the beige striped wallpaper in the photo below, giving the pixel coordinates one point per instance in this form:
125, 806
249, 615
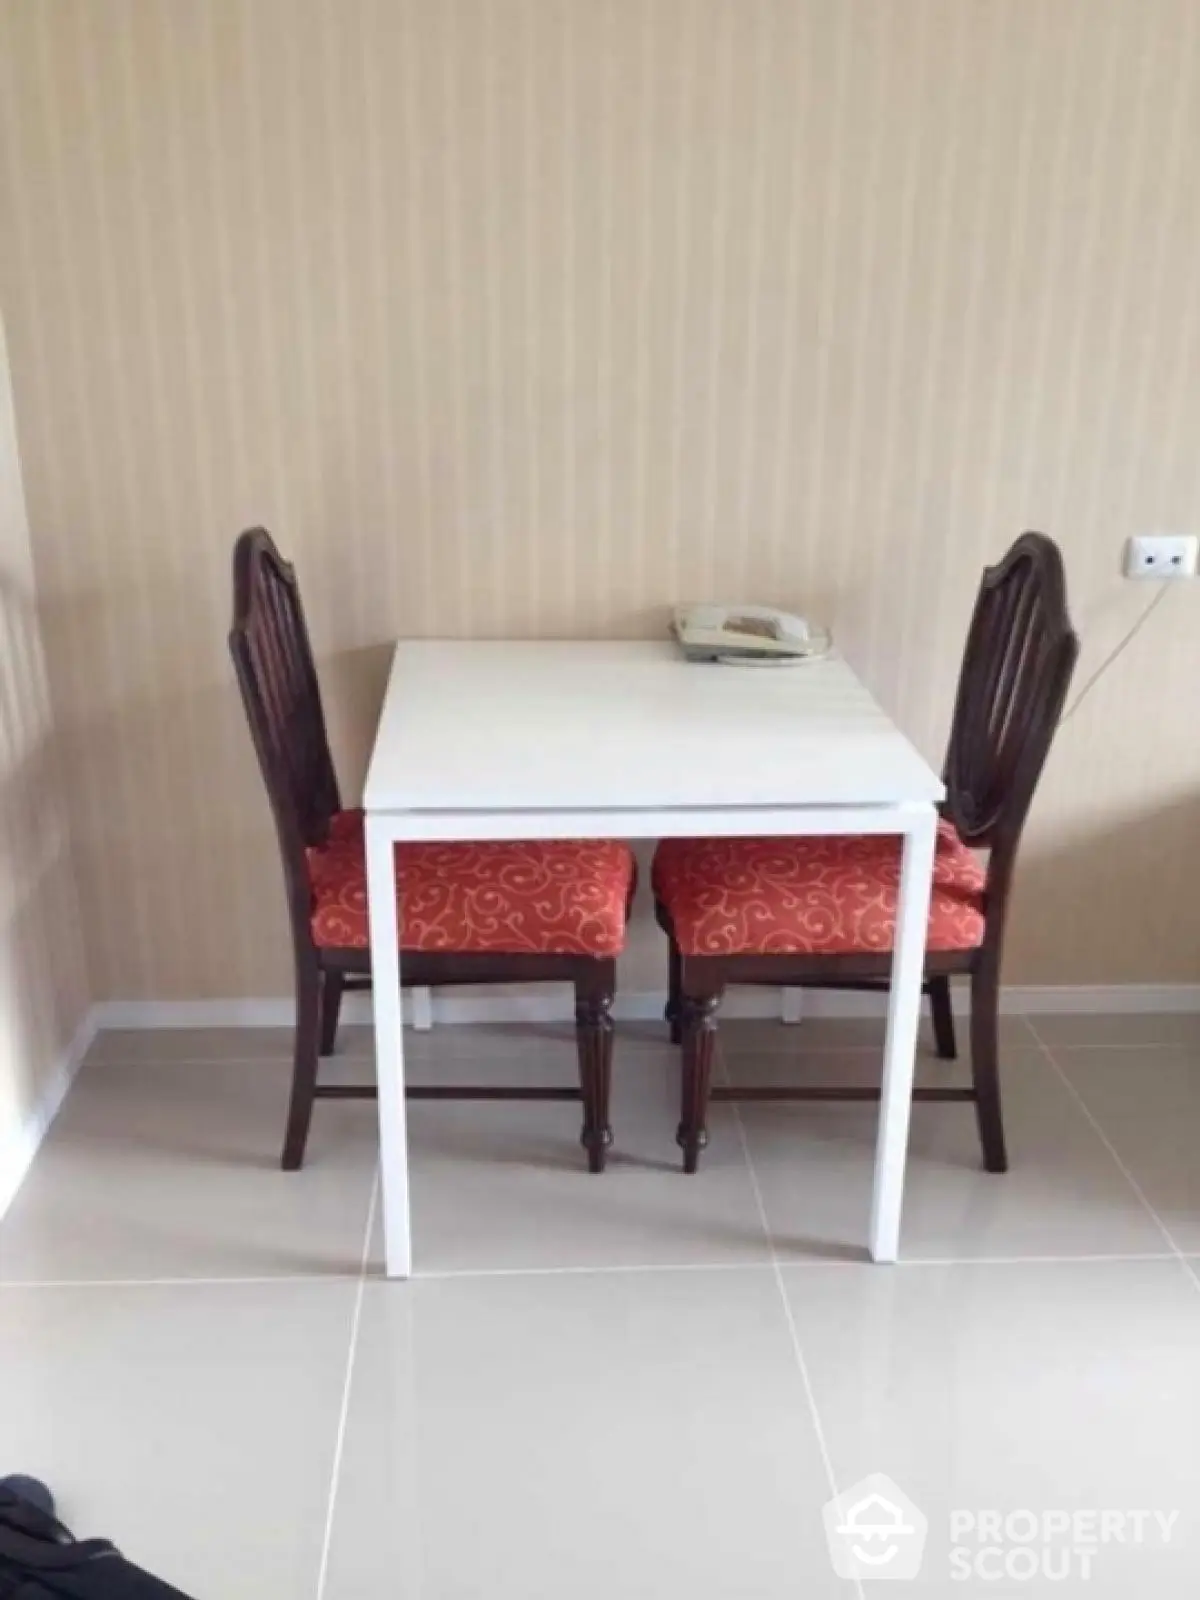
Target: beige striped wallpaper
532, 316
43, 988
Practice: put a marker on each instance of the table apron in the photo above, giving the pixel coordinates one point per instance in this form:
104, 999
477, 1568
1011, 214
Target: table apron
665, 823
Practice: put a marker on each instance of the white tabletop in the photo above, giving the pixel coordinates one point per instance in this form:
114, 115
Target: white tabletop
524, 726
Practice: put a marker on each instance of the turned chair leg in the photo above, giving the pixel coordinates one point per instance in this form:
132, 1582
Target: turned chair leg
943, 1018
674, 1010
985, 1065
304, 1072
332, 986
699, 1022
594, 1040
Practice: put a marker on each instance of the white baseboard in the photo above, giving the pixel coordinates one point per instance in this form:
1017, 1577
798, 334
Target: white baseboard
545, 1004
555, 1005
18, 1151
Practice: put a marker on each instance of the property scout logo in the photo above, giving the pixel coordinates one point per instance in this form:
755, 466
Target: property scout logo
876, 1532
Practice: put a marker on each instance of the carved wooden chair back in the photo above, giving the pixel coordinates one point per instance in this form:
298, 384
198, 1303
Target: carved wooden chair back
278, 680
1020, 654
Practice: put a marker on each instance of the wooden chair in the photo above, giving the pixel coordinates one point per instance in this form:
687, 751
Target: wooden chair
821, 913
511, 912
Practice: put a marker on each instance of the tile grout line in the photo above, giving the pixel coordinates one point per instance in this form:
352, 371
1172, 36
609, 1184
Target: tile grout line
789, 1315
456, 1274
347, 1385
1142, 1044
1179, 1256
271, 1281
867, 1048
1033, 1261
271, 1059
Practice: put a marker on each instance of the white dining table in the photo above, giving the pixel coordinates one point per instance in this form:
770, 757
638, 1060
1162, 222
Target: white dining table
549, 740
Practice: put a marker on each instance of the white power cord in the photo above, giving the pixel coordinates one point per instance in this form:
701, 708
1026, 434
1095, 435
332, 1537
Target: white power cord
1113, 654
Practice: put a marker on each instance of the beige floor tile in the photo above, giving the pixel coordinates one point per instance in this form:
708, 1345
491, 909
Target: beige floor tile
1010, 1388
134, 1045
195, 1427
1122, 1032
1063, 1194
633, 1434
834, 1067
127, 1046
504, 1186
172, 1171
1147, 1101
758, 1038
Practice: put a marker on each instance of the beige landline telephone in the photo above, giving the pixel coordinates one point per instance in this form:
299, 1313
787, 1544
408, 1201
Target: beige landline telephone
746, 635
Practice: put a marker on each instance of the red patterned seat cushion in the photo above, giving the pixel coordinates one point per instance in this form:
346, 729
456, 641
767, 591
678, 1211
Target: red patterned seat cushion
549, 897
817, 896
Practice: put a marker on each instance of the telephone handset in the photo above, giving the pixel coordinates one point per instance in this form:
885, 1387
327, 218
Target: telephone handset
746, 635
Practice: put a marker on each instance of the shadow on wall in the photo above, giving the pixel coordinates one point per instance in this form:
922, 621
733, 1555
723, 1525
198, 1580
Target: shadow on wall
42, 983
194, 909
1095, 878
353, 684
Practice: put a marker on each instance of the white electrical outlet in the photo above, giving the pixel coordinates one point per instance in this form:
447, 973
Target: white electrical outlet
1162, 555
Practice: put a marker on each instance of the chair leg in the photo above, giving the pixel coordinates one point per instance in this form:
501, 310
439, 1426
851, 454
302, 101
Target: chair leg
594, 1040
304, 1073
674, 1011
943, 1018
985, 1065
699, 1019
332, 986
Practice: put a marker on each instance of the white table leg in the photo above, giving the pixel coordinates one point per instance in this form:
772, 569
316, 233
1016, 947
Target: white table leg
389, 1045
904, 1014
